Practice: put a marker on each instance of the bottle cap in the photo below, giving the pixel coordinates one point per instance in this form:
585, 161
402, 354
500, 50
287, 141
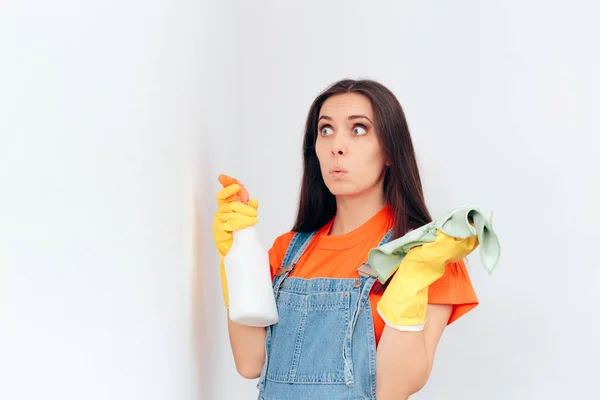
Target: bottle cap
242, 195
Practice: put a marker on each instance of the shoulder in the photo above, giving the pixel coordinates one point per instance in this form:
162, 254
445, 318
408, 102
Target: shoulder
282, 241
278, 249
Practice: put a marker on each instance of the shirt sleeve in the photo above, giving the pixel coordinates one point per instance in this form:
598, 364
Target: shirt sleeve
454, 288
277, 251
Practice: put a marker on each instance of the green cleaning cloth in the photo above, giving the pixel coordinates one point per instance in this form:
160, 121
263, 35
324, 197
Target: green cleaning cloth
386, 258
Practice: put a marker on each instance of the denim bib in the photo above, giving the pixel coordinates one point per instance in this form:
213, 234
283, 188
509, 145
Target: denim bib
323, 346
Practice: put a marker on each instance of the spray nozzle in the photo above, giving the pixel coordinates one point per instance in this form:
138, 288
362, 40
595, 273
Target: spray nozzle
242, 195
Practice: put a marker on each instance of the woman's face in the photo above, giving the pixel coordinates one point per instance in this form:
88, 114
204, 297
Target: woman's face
348, 147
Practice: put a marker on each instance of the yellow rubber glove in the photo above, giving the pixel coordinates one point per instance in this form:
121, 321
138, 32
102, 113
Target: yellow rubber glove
404, 303
233, 214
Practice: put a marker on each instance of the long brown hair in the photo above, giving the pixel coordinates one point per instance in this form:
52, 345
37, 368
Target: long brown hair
402, 182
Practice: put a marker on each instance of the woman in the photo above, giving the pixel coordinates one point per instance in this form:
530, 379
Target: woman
360, 188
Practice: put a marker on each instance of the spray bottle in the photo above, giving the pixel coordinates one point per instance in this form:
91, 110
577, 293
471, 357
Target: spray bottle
251, 298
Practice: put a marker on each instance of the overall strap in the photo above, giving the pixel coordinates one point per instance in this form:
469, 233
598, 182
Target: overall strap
295, 250
365, 269
365, 282
387, 237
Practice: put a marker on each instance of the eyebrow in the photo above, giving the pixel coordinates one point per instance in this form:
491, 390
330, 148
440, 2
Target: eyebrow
351, 117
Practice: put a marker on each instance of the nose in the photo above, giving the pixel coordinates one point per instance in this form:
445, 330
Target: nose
338, 147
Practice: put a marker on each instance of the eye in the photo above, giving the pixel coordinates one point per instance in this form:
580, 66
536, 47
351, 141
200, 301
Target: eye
326, 130
359, 130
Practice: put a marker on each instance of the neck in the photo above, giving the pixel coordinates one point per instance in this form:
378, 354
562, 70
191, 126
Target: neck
354, 211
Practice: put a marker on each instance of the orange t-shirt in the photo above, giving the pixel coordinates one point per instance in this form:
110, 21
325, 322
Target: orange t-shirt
339, 256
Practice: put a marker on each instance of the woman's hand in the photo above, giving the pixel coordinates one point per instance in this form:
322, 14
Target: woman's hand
404, 303
231, 216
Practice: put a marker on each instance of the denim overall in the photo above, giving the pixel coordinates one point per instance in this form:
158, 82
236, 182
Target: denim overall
323, 346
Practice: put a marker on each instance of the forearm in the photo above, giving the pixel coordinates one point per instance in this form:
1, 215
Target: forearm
403, 364
248, 348
405, 359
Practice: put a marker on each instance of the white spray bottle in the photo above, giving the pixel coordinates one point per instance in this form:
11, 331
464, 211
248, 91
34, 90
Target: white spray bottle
251, 298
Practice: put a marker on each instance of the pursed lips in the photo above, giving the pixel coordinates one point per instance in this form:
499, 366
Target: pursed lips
338, 171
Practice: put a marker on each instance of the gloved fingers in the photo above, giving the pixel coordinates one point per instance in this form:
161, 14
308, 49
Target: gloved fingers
233, 226
234, 222
220, 235
468, 242
453, 248
471, 242
238, 208
227, 193
443, 236
254, 204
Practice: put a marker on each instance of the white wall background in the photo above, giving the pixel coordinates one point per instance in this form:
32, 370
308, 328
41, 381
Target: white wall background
104, 107
117, 117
